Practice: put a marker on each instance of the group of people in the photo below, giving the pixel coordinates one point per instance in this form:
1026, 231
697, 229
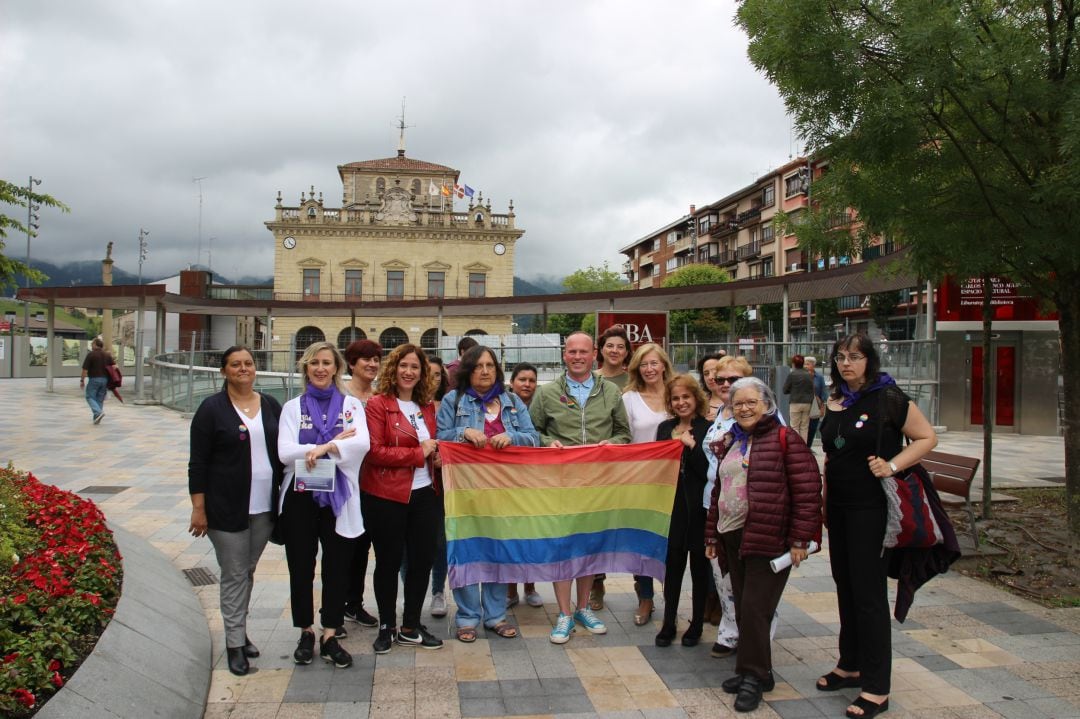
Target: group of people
749, 490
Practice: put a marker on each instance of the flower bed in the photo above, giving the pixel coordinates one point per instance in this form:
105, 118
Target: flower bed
59, 584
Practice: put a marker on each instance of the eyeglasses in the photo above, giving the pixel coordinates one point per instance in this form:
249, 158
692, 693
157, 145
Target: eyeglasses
748, 404
852, 358
728, 380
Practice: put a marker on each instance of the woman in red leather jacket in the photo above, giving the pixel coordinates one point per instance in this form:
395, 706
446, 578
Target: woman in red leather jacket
401, 501
766, 502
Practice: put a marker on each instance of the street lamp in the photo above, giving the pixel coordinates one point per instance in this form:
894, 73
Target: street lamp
31, 225
10, 316
143, 234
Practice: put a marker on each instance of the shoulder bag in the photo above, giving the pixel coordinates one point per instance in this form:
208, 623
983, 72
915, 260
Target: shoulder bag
910, 523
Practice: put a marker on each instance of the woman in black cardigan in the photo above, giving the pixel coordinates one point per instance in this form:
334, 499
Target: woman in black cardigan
687, 403
233, 478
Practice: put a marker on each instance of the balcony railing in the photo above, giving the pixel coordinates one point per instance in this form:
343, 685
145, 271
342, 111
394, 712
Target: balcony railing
747, 251
725, 257
886, 248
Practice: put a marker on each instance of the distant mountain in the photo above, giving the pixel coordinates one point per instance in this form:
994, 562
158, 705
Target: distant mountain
539, 285
88, 272
525, 287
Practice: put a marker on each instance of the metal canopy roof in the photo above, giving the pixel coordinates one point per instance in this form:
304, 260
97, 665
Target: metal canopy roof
856, 279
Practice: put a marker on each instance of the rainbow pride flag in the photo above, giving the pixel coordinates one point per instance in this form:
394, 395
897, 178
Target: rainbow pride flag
540, 514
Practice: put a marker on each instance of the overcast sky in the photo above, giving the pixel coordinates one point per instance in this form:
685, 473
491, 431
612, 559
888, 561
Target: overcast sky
601, 120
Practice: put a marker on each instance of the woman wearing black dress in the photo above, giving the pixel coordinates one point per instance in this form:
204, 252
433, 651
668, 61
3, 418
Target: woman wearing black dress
686, 535
862, 399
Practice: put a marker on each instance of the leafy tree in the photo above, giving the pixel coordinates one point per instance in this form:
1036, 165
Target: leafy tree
11, 194
705, 323
882, 305
771, 314
588, 279
952, 127
826, 315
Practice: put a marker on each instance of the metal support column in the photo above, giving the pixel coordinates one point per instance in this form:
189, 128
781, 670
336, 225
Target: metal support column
139, 318
50, 341
785, 331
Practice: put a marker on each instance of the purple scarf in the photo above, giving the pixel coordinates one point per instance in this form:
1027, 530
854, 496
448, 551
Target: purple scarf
317, 403
882, 380
741, 436
495, 391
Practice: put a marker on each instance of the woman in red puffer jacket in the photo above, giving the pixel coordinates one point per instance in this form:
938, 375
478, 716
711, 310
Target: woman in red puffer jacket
766, 502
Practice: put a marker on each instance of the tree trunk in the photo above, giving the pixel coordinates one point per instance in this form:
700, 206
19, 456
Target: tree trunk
987, 388
1068, 308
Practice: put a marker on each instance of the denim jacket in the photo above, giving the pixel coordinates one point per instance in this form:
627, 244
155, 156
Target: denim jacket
455, 416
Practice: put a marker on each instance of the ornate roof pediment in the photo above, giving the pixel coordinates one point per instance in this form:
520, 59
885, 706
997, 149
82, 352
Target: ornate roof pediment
311, 262
477, 267
436, 265
395, 265
353, 262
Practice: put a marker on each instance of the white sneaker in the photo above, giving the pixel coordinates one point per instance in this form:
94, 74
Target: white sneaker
438, 605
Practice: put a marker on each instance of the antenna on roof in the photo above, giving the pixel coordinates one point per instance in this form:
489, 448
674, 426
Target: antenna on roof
401, 127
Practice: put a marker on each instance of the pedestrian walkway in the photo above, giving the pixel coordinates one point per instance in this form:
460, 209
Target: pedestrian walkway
967, 650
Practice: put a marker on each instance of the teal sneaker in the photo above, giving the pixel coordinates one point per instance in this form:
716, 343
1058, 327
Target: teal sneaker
564, 627
587, 619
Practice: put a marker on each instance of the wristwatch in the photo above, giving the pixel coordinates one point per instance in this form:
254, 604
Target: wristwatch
892, 466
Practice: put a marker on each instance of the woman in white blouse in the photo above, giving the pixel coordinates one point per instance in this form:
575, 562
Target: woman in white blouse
645, 400
322, 423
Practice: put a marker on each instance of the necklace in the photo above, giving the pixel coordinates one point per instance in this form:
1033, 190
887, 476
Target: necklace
247, 407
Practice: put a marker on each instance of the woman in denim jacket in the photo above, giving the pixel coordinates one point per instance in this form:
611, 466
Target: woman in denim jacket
481, 412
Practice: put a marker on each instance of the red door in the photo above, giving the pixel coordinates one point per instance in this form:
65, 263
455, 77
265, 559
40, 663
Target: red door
1003, 368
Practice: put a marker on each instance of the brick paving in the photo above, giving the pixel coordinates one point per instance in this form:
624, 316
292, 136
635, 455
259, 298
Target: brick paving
968, 650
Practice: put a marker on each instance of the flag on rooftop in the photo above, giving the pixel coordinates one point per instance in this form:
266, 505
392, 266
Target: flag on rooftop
431, 188
468, 191
541, 514
445, 190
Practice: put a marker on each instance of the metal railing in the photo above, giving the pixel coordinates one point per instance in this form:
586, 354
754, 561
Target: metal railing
181, 380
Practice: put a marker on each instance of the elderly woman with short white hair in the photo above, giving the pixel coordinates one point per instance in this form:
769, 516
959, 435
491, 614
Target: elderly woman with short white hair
766, 502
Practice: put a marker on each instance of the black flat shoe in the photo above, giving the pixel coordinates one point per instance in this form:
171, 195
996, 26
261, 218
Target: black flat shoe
869, 708
692, 635
238, 663
665, 636
250, 650
749, 696
731, 684
834, 682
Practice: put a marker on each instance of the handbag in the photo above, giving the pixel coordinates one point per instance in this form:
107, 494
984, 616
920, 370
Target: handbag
116, 379
910, 521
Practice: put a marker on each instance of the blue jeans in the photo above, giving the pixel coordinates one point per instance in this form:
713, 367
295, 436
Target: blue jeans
480, 602
95, 394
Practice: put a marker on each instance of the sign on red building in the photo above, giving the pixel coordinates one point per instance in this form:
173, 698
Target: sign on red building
962, 301
641, 327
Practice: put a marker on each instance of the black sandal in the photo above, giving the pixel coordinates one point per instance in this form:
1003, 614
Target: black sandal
834, 682
869, 708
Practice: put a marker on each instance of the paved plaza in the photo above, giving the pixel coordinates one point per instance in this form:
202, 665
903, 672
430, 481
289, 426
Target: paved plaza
967, 650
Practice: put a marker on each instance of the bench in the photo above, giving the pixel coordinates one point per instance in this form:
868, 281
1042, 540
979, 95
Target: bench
952, 475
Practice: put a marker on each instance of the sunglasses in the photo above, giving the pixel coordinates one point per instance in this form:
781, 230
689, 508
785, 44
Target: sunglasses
728, 380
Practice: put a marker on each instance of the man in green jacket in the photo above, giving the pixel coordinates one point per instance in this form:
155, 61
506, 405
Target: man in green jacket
580, 407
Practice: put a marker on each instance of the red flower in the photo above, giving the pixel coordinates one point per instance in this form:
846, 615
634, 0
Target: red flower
19, 599
57, 680
54, 665
25, 697
11, 657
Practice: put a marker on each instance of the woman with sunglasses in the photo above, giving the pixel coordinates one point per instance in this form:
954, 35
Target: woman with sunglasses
865, 410
728, 371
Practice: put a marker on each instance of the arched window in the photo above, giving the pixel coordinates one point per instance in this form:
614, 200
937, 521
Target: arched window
475, 333
430, 339
380, 186
349, 334
391, 337
307, 336
416, 187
